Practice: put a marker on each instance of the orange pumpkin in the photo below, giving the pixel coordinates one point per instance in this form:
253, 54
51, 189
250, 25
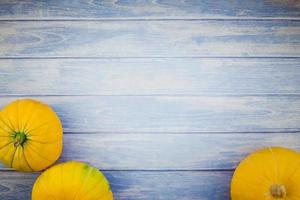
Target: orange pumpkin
268, 174
72, 180
30, 135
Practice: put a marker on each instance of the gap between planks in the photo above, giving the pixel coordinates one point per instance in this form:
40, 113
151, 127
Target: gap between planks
146, 170
159, 19
185, 133
144, 57
152, 95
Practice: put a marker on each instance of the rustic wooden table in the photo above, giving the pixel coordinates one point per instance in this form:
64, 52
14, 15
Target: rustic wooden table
166, 97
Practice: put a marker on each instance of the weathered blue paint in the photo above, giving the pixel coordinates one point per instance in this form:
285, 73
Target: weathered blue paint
149, 151
187, 38
138, 185
170, 151
176, 114
226, 83
97, 9
176, 76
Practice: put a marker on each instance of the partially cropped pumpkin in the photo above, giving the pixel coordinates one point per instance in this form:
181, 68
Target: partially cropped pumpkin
72, 181
30, 135
268, 174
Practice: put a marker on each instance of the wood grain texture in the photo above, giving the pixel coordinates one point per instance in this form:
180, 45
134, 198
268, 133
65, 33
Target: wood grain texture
142, 100
13, 9
175, 114
169, 151
205, 76
130, 185
150, 39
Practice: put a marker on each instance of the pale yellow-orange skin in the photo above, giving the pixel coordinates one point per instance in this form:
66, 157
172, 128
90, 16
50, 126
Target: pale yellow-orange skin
268, 174
72, 181
30, 135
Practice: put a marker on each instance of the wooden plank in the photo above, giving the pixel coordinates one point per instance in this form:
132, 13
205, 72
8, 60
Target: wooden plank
82, 9
175, 114
203, 76
137, 185
150, 38
169, 151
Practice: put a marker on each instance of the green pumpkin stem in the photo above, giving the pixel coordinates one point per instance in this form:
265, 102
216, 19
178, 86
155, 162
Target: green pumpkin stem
20, 138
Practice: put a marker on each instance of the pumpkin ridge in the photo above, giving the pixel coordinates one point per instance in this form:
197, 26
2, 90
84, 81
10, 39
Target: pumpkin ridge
30, 117
40, 126
84, 180
40, 142
61, 181
11, 124
37, 153
46, 189
276, 162
294, 172
94, 187
25, 158
5, 150
248, 161
5, 131
18, 115
13, 157
11, 128
73, 174
5, 145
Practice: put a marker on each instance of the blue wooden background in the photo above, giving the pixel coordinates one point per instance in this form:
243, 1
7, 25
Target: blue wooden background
166, 97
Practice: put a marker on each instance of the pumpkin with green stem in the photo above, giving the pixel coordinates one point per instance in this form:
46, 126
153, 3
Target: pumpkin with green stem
30, 135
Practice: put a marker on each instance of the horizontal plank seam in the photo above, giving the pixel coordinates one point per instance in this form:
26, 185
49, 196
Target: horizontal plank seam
157, 19
147, 57
150, 170
3, 95
294, 131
